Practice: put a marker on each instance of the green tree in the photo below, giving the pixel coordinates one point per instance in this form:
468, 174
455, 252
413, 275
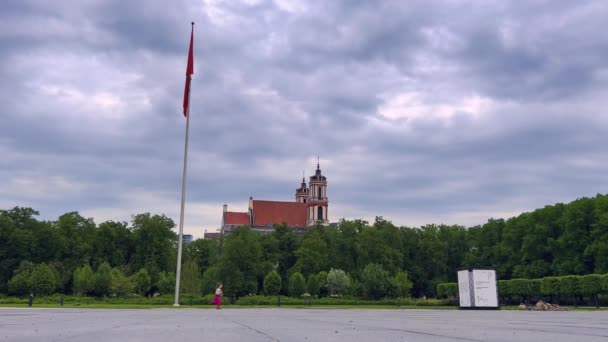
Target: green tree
240, 262
375, 281
205, 252
143, 281
112, 243
84, 280
297, 285
312, 255
23, 238
166, 283
210, 278
381, 244
154, 244
76, 235
20, 284
272, 284
338, 282
431, 260
285, 242
346, 250
401, 285
312, 285
322, 278
42, 280
103, 280
190, 282
121, 285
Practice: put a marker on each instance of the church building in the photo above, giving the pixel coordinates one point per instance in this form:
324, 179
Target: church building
310, 207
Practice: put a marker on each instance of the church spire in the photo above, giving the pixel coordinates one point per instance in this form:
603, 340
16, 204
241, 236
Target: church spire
302, 193
317, 201
318, 172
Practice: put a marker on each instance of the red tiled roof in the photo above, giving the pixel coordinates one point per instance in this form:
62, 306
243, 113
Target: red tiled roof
232, 217
271, 212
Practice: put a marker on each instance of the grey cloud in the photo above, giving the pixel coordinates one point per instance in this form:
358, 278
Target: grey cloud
274, 88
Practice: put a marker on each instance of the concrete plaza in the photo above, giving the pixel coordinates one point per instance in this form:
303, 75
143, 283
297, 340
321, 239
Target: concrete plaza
274, 324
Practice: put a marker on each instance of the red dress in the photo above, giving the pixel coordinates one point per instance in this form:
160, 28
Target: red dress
218, 297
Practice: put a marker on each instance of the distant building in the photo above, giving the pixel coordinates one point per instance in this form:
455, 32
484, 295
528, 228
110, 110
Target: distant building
211, 235
186, 238
310, 207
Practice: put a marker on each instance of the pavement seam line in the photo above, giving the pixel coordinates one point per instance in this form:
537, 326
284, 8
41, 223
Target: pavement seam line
256, 330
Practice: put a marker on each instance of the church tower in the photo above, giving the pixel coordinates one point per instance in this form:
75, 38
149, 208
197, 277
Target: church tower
317, 199
302, 192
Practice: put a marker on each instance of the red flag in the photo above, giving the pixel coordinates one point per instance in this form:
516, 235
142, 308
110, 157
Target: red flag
189, 72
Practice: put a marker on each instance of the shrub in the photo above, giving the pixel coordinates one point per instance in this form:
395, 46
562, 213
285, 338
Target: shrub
210, 278
590, 284
338, 282
504, 288
19, 284
266, 300
190, 281
166, 283
142, 281
374, 280
447, 290
569, 285
401, 284
297, 285
312, 286
525, 287
42, 280
550, 286
322, 277
120, 284
272, 284
103, 279
84, 280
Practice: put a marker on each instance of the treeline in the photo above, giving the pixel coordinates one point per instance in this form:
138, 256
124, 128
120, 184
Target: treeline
368, 260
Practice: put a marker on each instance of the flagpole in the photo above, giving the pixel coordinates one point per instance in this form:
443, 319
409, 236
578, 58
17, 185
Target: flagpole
181, 214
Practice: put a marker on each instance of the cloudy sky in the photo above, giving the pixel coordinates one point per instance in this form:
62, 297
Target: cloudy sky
421, 111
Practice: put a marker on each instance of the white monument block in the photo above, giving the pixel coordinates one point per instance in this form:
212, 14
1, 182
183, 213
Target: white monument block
477, 289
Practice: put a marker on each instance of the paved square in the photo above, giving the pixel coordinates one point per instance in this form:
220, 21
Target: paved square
298, 325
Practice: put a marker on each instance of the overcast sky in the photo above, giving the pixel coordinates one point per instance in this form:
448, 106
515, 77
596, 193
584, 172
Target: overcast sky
421, 111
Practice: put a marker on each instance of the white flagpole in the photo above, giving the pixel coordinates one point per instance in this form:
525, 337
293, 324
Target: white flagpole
181, 214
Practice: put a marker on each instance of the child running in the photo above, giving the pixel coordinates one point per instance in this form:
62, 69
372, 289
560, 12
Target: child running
218, 295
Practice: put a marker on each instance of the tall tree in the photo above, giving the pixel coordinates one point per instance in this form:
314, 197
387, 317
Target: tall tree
239, 265
154, 244
103, 279
84, 280
313, 253
375, 281
191, 277
113, 243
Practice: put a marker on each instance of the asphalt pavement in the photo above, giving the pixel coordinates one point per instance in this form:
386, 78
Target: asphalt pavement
276, 324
